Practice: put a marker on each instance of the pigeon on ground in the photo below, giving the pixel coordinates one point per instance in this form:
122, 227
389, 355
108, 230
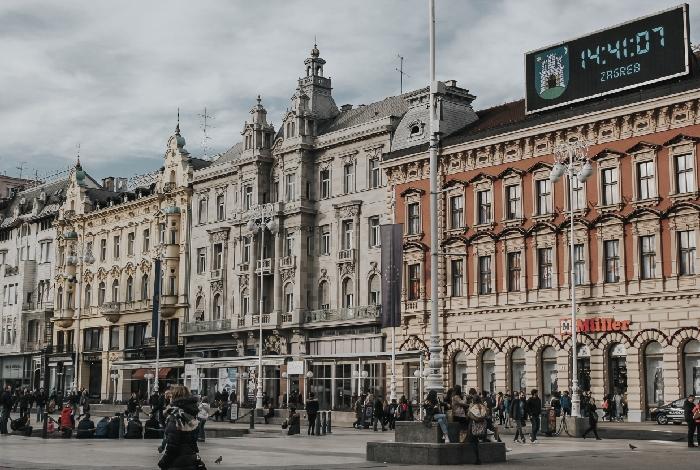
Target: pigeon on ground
632, 447
218, 461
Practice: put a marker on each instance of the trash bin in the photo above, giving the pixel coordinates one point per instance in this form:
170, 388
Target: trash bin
548, 421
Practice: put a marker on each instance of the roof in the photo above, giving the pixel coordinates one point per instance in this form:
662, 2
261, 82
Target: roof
23, 201
391, 106
230, 155
199, 163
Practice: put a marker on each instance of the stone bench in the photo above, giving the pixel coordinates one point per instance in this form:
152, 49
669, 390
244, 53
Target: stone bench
420, 453
416, 431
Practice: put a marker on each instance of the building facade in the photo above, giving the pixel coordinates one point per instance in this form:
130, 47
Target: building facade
505, 234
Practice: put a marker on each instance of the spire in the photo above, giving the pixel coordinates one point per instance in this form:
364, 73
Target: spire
177, 127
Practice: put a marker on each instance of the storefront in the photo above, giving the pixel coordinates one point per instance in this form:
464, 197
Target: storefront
135, 377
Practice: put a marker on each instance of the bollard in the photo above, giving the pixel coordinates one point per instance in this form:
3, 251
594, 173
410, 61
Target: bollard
45, 427
318, 424
121, 425
323, 423
252, 418
329, 421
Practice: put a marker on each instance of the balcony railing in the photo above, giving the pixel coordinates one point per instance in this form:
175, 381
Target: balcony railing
265, 265
207, 326
346, 255
216, 274
31, 346
110, 308
136, 304
60, 349
369, 312
288, 261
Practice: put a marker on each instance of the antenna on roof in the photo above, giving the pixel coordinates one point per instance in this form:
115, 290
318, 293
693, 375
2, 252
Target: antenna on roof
21, 168
205, 125
401, 72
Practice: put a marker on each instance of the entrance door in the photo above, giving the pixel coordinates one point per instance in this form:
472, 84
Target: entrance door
95, 383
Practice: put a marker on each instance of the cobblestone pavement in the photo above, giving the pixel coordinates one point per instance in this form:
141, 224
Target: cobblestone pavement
345, 449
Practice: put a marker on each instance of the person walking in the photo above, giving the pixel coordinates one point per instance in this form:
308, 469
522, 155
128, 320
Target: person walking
359, 406
312, 408
565, 403
133, 406
534, 410
24, 400
517, 414
688, 406
378, 414
180, 447
592, 418
40, 400
5, 408
202, 416
506, 408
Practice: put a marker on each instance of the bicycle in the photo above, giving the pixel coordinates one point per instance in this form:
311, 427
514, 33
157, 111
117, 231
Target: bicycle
562, 426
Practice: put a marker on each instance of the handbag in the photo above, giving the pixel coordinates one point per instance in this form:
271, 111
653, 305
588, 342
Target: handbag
696, 414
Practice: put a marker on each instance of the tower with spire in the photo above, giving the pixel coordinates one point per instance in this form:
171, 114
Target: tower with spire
317, 88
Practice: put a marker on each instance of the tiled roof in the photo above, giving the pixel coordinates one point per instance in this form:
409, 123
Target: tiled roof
230, 155
391, 106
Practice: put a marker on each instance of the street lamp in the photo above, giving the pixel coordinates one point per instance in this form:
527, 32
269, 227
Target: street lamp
572, 158
149, 376
115, 378
309, 375
262, 219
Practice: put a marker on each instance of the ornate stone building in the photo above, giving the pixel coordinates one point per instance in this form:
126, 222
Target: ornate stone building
504, 230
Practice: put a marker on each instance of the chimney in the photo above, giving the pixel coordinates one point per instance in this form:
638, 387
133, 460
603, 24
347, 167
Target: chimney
108, 183
451, 83
345, 107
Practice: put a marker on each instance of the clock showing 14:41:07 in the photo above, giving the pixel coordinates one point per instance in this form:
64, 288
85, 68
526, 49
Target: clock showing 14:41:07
641, 43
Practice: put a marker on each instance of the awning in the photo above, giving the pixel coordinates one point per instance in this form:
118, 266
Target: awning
139, 374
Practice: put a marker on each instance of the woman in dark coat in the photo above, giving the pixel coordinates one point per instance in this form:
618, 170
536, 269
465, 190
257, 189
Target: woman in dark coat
181, 448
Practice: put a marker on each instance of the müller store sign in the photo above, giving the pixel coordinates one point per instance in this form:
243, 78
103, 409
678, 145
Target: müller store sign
594, 325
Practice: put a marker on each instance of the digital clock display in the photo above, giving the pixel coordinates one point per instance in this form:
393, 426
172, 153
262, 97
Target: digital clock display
642, 51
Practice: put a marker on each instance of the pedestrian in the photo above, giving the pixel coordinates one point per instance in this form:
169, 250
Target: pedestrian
592, 418
534, 410
688, 406
202, 416
40, 400
133, 406
435, 412
270, 412
619, 405
134, 428
506, 408
500, 408
312, 408
517, 414
378, 414
393, 414
403, 409
5, 408
565, 403
180, 448
24, 403
359, 405
102, 428
696, 418
459, 410
293, 422
555, 403
86, 428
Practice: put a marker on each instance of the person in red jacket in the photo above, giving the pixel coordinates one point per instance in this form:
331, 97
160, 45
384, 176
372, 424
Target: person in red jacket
67, 420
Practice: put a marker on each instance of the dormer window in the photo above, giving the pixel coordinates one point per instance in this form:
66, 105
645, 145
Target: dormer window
415, 130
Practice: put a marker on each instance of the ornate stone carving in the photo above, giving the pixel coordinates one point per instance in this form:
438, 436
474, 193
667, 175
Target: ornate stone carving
243, 281
217, 286
101, 274
347, 269
218, 236
288, 274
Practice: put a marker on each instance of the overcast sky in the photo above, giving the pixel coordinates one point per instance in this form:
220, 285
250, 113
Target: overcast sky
110, 75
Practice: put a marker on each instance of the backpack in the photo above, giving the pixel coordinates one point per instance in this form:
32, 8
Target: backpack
696, 413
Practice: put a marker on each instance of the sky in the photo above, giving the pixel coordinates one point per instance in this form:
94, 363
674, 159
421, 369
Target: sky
105, 79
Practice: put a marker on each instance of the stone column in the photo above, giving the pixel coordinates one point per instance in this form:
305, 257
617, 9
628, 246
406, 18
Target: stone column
635, 407
474, 370
597, 374
277, 301
531, 367
501, 369
672, 380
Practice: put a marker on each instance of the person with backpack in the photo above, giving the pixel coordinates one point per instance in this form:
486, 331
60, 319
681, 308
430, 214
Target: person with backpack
391, 414
378, 414
403, 409
592, 419
102, 428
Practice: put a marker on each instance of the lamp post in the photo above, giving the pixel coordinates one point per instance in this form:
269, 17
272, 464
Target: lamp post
572, 159
81, 254
262, 219
421, 374
149, 376
115, 378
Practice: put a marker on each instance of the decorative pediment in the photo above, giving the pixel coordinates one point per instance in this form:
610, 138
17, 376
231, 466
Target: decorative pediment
540, 166
481, 177
681, 139
510, 171
347, 269
643, 146
217, 286
348, 210
605, 153
115, 271
145, 266
101, 274
130, 269
412, 191
412, 246
454, 183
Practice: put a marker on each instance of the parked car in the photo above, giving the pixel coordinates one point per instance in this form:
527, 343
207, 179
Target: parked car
668, 413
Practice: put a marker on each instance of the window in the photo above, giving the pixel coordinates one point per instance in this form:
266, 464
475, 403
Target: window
374, 173
348, 293
686, 253
346, 241
87, 296
484, 275
348, 178
414, 218
217, 307
647, 255
115, 290
146, 240
101, 293
247, 197
513, 261
324, 301
245, 302
413, 281
374, 237
144, 287
103, 249
646, 186
135, 335
113, 337
326, 240
218, 256
161, 233
544, 261
456, 212
609, 178
325, 181
513, 197
611, 254
483, 201
457, 277
375, 292
579, 202
245, 250
544, 196
172, 285
685, 174
289, 297
116, 245
202, 214
579, 265
220, 207
201, 260
130, 237
289, 243
290, 182
173, 330
92, 339
129, 289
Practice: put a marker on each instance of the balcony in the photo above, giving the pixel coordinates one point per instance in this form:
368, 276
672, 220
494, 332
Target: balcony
172, 250
11, 270
369, 312
212, 326
216, 274
288, 261
167, 305
60, 349
346, 256
265, 265
242, 267
168, 350
32, 346
111, 311
136, 305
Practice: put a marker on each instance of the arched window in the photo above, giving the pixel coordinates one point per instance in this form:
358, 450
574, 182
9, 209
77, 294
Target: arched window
324, 300
144, 287
375, 290
129, 289
289, 297
101, 292
115, 290
517, 370
617, 369
654, 374
691, 367
88, 295
348, 293
550, 383
488, 371
459, 370
217, 307
583, 367
245, 302
59, 298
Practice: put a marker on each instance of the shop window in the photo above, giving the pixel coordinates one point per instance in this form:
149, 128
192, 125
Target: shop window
691, 367
583, 369
550, 380
617, 369
517, 370
654, 374
488, 371
459, 370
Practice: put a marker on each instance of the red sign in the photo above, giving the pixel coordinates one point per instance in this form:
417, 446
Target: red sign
594, 325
